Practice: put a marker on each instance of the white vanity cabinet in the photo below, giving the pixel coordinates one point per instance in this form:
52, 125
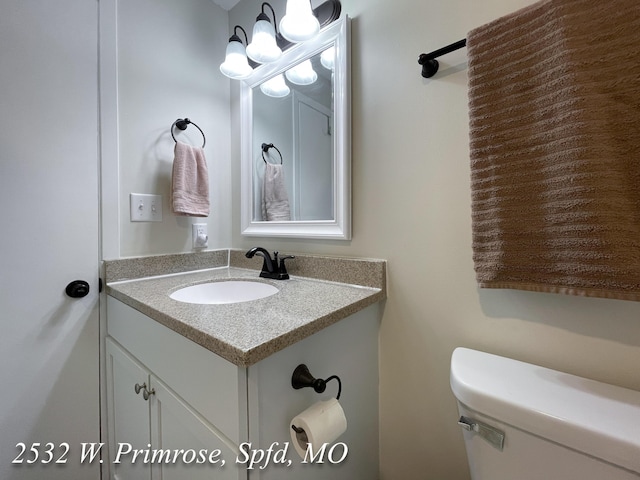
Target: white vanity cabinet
191, 410
199, 401
148, 416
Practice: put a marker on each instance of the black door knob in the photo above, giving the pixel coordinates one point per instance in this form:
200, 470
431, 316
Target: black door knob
77, 289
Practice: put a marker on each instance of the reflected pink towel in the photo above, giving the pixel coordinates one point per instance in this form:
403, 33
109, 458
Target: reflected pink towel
275, 201
190, 181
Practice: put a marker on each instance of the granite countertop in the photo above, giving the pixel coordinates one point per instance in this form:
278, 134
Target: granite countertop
247, 332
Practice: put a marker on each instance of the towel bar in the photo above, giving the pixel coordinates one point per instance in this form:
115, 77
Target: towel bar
428, 60
182, 124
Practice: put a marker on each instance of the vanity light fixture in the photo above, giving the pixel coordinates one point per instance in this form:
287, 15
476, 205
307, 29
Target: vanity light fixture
299, 23
263, 47
275, 87
236, 65
302, 74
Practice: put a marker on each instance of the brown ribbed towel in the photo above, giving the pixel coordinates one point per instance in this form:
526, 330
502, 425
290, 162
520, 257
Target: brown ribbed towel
189, 181
554, 98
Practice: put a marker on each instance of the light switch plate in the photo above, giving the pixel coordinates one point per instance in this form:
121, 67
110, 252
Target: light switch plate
145, 207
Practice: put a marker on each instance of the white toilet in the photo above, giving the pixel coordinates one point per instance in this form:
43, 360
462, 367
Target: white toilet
525, 422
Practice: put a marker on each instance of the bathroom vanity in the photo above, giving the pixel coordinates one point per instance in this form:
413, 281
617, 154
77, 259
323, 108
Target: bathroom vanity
207, 388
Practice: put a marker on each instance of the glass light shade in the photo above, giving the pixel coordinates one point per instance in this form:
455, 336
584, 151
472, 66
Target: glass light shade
299, 23
275, 87
263, 47
328, 58
235, 64
302, 74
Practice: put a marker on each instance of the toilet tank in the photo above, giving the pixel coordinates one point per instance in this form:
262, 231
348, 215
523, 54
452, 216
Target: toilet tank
525, 422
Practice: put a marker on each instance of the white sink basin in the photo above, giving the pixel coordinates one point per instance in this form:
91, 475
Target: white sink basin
227, 291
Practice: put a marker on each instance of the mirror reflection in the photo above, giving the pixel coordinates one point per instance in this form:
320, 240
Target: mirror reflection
296, 138
293, 124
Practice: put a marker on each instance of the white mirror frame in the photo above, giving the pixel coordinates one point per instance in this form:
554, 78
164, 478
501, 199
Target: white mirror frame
340, 227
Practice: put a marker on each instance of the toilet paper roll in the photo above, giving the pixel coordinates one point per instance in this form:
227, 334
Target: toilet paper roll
322, 422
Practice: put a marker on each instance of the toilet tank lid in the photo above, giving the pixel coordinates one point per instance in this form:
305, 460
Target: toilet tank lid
598, 419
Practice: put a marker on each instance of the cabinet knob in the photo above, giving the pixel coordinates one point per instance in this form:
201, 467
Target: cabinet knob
146, 394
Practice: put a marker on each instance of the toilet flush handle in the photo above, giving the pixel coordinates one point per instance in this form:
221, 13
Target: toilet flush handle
492, 435
467, 424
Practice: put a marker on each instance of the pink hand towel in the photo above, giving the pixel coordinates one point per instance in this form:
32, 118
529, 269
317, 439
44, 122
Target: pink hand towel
275, 201
190, 181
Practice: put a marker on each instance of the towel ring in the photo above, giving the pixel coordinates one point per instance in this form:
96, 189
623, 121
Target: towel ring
265, 149
182, 125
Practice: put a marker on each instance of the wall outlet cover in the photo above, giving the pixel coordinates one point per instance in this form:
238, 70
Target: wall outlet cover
199, 235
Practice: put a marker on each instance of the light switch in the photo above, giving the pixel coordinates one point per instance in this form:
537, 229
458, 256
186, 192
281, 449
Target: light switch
145, 207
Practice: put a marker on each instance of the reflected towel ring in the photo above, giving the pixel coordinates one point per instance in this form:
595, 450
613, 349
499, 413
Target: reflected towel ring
265, 149
182, 125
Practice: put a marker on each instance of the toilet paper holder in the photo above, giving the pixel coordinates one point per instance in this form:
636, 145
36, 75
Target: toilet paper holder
302, 378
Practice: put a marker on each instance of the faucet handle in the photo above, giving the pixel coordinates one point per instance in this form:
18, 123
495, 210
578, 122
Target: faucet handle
282, 271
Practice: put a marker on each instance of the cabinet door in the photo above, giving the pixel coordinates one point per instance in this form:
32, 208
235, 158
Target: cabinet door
209, 384
189, 440
128, 414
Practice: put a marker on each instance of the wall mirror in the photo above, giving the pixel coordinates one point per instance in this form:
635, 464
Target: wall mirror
295, 113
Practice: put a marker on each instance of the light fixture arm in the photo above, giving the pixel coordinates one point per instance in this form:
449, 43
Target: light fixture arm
236, 38
263, 16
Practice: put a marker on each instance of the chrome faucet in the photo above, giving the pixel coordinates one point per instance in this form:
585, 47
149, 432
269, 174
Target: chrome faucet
270, 267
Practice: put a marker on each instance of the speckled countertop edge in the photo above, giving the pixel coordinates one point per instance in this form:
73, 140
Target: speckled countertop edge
367, 272
149, 266
245, 333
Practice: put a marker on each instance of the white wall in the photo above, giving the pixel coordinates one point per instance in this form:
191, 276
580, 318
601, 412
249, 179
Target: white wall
169, 52
411, 205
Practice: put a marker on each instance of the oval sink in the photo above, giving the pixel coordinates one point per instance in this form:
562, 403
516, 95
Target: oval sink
228, 291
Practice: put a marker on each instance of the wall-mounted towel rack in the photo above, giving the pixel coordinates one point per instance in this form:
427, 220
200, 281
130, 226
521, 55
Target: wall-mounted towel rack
182, 124
428, 60
265, 149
